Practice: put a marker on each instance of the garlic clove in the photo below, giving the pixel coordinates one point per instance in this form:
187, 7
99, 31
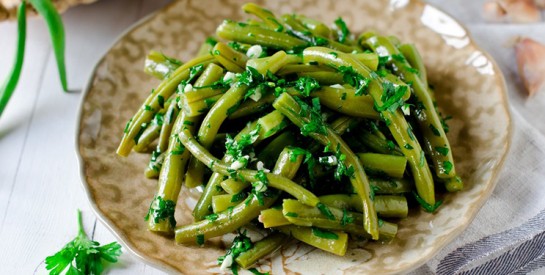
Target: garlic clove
520, 11
530, 56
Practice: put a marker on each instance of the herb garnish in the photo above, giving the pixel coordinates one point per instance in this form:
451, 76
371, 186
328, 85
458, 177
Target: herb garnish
344, 33
162, 210
82, 255
428, 207
355, 80
325, 234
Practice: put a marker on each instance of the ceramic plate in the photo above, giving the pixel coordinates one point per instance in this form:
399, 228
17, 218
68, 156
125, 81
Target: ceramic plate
468, 84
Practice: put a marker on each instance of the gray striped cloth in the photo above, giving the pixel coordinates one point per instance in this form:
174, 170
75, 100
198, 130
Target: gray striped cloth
508, 234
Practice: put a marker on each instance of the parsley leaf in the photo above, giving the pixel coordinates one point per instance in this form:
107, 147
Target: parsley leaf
325, 234
82, 255
343, 29
306, 85
160, 210
314, 114
392, 97
346, 219
355, 80
442, 150
240, 244
428, 207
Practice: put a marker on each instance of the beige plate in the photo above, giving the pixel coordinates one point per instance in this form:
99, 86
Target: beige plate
468, 83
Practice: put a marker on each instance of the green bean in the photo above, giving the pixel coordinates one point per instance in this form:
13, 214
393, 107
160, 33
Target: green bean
273, 63
412, 55
337, 244
316, 27
273, 218
212, 188
8, 87
271, 152
301, 68
378, 144
244, 33
393, 166
292, 110
209, 128
343, 124
56, 30
230, 59
232, 186
386, 206
391, 186
368, 59
454, 184
207, 46
435, 140
197, 108
303, 215
261, 249
325, 78
225, 222
346, 101
154, 165
218, 166
150, 134
152, 103
159, 65
231, 219
222, 202
170, 180
264, 14
395, 121
166, 128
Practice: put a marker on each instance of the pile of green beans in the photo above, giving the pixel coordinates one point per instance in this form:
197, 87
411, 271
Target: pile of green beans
348, 127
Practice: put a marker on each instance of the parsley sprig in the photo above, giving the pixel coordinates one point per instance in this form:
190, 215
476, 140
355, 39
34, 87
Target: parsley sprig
428, 207
241, 243
162, 210
82, 255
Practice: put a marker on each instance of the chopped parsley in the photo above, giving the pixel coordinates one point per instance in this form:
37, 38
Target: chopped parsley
392, 97
162, 210
161, 101
346, 219
325, 211
408, 146
442, 150
240, 244
200, 239
344, 32
291, 214
211, 41
212, 217
355, 80
306, 85
127, 126
447, 166
309, 160
434, 130
238, 197
314, 115
325, 234
428, 207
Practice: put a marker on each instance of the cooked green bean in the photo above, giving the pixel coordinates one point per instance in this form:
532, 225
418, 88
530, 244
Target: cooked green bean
325, 77
273, 63
266, 15
209, 128
391, 186
147, 111
244, 33
222, 202
231, 219
345, 100
273, 218
386, 205
292, 110
393, 166
335, 242
378, 144
154, 165
435, 140
303, 215
261, 249
395, 121
230, 59
159, 65
161, 212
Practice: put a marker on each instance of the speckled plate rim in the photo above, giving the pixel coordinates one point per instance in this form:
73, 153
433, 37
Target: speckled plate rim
168, 269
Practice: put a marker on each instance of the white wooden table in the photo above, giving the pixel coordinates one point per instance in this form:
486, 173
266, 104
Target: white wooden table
40, 187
